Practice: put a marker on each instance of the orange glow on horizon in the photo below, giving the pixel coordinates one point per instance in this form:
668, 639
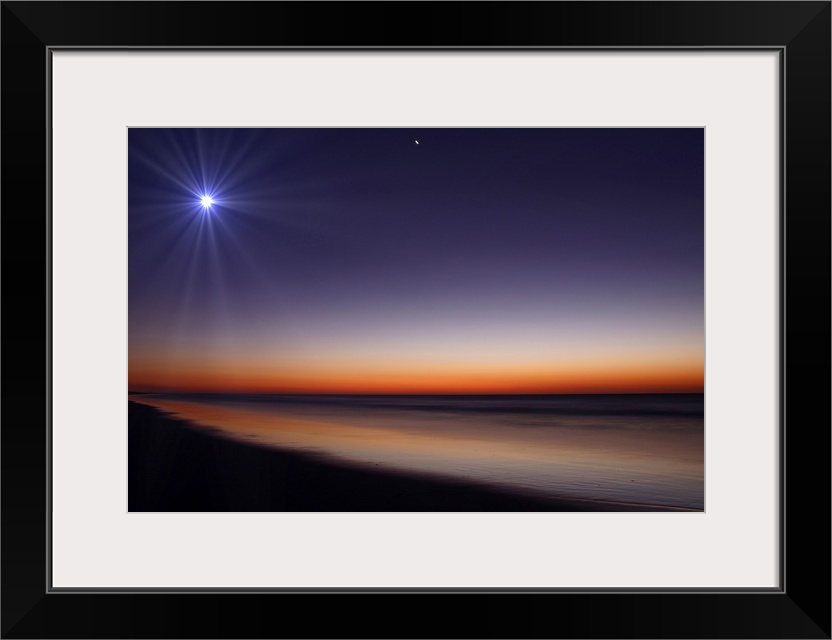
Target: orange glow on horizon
599, 376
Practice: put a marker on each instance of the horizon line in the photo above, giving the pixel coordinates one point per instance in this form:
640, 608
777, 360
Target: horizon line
308, 393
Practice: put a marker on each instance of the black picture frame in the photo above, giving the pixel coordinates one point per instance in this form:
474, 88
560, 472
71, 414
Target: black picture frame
799, 31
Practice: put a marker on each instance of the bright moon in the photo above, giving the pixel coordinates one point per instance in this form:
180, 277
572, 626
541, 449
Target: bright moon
207, 201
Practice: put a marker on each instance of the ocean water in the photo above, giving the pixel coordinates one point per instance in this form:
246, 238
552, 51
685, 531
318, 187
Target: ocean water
625, 449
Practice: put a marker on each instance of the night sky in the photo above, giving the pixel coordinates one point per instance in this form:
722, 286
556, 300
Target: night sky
358, 261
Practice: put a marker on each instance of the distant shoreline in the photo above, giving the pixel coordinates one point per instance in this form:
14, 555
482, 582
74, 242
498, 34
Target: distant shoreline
174, 466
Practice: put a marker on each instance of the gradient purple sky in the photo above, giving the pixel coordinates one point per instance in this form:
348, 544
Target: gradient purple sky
477, 261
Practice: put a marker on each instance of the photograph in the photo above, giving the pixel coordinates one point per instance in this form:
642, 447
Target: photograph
416, 319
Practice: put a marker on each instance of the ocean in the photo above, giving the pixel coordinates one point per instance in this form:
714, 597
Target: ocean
630, 450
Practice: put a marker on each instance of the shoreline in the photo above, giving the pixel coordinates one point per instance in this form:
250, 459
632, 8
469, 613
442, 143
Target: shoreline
175, 466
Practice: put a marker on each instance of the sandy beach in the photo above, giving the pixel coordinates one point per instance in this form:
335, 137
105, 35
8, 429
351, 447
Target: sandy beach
177, 466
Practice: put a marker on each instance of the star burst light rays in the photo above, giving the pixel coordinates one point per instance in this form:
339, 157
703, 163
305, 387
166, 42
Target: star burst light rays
195, 198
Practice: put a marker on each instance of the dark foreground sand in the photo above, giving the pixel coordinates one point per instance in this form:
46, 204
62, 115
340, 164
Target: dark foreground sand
174, 466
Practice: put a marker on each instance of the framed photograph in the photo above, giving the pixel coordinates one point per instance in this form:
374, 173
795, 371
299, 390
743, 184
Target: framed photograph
515, 304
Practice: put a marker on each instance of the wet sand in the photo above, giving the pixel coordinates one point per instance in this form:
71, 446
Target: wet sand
177, 466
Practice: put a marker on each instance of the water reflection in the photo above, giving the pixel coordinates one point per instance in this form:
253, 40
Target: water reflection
635, 449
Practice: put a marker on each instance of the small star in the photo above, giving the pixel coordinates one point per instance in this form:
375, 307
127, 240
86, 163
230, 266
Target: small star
416, 141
